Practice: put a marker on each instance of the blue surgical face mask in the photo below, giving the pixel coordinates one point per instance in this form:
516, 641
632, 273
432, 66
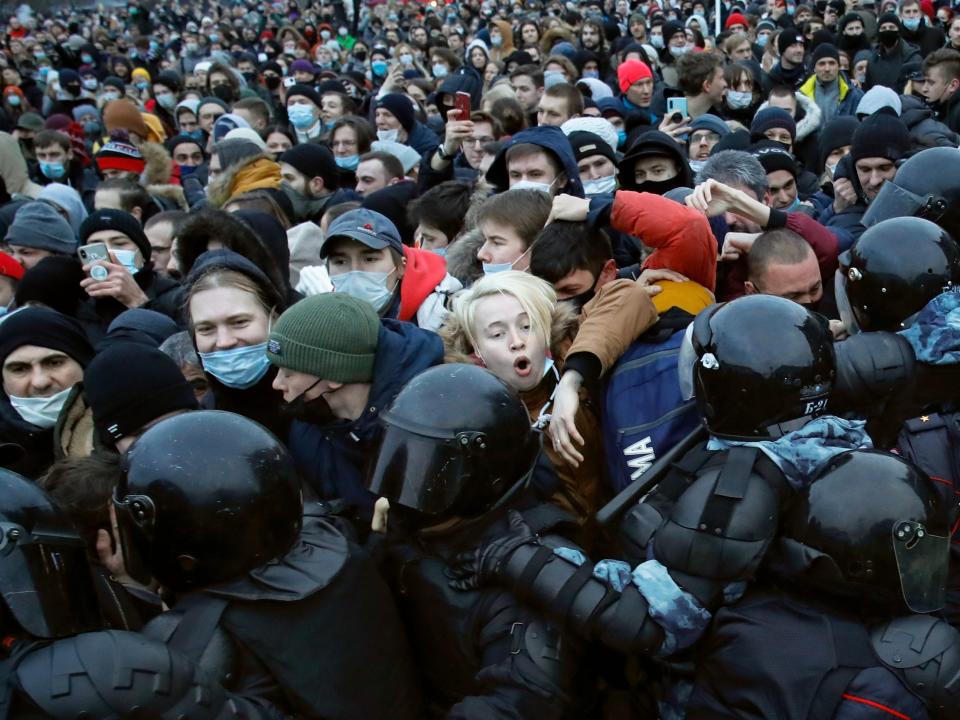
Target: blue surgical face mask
679, 51
621, 138
91, 127
349, 162
53, 170
494, 268
388, 135
195, 134
440, 71
301, 116
86, 59
442, 252
127, 258
762, 40
738, 100
600, 186
657, 41
41, 411
363, 285
911, 23
792, 207
14, 100
379, 67
142, 85
239, 368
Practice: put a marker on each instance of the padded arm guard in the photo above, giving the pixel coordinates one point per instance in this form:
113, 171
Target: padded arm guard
574, 599
114, 673
924, 652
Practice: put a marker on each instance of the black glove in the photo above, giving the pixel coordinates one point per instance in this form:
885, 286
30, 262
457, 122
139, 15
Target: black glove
481, 566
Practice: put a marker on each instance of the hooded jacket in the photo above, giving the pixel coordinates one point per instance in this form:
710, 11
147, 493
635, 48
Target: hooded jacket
424, 289
660, 143
550, 139
926, 130
421, 138
886, 66
332, 459
250, 173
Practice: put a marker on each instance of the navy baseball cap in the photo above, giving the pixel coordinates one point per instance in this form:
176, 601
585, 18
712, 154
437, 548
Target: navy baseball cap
365, 226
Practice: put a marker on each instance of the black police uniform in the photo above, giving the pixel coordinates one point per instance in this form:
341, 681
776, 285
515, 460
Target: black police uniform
455, 462
209, 504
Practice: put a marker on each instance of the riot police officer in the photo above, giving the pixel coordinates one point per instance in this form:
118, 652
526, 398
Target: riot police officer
885, 282
54, 660
865, 543
455, 465
209, 505
764, 370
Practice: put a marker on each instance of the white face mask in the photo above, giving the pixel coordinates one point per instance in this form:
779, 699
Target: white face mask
388, 135
41, 411
738, 100
600, 186
531, 185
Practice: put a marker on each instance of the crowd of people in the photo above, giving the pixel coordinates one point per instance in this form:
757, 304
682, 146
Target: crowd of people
480, 359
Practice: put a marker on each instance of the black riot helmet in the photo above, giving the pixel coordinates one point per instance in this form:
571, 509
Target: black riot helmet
206, 497
871, 526
456, 439
764, 366
925, 186
893, 271
44, 572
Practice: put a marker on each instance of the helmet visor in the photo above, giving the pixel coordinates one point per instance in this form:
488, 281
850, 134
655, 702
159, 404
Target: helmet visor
922, 561
135, 519
47, 586
892, 202
417, 472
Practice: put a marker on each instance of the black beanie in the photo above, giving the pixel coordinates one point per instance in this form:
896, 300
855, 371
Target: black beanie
120, 221
824, 50
789, 36
773, 156
835, 134
304, 91
128, 385
890, 17
401, 107
881, 135
44, 328
586, 144
55, 283
312, 160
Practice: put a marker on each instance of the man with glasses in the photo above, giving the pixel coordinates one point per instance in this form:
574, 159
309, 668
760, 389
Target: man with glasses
705, 132
461, 153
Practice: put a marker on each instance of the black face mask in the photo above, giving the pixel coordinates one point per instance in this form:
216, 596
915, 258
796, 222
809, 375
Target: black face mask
272, 81
578, 301
659, 187
315, 412
360, 55
250, 77
888, 38
224, 92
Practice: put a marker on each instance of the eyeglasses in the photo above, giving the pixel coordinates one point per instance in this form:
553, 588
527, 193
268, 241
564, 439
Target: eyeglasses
477, 141
704, 137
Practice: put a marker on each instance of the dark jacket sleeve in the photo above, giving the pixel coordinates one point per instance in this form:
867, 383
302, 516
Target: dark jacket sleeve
877, 694
429, 177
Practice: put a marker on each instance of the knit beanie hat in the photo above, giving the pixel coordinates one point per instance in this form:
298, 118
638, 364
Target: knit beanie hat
123, 114
736, 18
400, 107
128, 385
120, 221
890, 17
312, 160
225, 123
708, 121
54, 282
773, 156
117, 155
835, 134
304, 91
769, 118
148, 325
332, 336
44, 328
600, 127
790, 36
632, 71
824, 50
38, 225
882, 135
587, 144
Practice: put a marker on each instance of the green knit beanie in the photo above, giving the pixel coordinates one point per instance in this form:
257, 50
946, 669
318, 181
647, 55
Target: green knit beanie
332, 336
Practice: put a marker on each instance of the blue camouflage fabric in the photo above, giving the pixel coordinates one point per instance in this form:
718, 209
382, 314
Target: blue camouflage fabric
801, 453
935, 334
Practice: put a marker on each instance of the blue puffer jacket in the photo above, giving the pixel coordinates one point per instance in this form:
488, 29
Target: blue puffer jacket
333, 458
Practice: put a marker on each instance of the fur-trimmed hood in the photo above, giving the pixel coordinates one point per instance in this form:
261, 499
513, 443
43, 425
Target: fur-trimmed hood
810, 122
157, 175
250, 173
462, 260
